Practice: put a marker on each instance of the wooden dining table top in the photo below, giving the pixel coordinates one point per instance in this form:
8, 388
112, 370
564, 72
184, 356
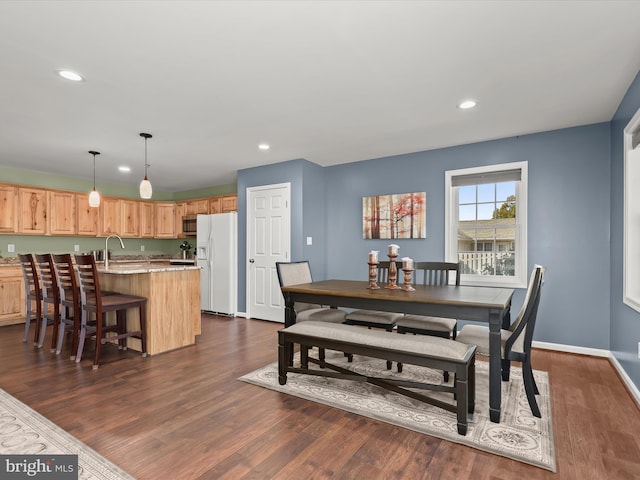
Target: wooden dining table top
468, 296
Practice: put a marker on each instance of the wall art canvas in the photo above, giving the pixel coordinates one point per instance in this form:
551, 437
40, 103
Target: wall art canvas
395, 216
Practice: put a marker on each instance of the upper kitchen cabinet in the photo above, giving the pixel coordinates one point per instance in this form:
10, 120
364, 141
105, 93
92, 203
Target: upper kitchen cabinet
130, 218
8, 209
147, 219
109, 216
32, 211
62, 213
165, 220
215, 205
87, 220
195, 207
180, 209
229, 203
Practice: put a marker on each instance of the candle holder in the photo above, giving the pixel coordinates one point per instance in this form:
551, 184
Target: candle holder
393, 273
407, 280
373, 273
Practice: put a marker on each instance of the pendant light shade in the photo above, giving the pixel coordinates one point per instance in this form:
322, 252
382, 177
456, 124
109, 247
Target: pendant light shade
94, 196
145, 185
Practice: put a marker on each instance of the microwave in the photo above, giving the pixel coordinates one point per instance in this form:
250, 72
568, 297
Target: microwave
190, 225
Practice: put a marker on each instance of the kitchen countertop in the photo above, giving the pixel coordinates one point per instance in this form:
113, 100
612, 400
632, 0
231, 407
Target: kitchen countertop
127, 268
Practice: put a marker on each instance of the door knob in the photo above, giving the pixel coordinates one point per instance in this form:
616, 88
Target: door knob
251, 260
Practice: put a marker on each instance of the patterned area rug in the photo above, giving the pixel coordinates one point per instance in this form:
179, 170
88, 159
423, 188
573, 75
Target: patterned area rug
24, 431
519, 436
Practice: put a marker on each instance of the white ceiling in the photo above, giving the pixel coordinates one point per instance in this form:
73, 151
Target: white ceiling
329, 81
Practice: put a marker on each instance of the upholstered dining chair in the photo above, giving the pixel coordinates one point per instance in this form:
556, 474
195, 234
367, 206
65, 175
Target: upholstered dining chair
69, 301
33, 296
50, 297
432, 273
516, 340
94, 303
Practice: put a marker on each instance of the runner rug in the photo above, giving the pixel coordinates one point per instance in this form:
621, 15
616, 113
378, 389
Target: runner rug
519, 435
23, 431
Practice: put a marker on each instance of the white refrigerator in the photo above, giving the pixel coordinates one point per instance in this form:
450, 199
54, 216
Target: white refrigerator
217, 257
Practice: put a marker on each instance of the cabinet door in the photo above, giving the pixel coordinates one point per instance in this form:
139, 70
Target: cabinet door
87, 221
109, 216
147, 219
130, 218
180, 209
32, 208
62, 213
229, 203
8, 209
195, 207
165, 220
12, 296
215, 205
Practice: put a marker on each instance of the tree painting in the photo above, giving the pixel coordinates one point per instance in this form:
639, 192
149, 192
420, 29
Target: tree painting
395, 216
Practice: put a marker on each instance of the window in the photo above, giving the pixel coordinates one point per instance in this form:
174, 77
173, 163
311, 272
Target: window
486, 223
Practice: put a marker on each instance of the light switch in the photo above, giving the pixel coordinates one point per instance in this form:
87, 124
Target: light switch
309, 241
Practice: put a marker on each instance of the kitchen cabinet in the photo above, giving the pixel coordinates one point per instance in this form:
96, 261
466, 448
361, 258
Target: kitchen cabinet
229, 203
87, 219
109, 217
62, 213
165, 220
215, 205
32, 211
130, 218
194, 207
12, 295
8, 208
147, 219
180, 209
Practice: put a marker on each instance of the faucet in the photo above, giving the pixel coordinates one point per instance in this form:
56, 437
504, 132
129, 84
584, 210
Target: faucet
106, 249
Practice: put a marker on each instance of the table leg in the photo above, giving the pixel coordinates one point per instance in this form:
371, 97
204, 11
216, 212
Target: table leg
495, 387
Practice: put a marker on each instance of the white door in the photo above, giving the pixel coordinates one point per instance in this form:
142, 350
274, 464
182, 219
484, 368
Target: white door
268, 242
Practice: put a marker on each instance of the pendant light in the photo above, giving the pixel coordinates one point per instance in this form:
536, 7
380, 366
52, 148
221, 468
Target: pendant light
145, 184
94, 196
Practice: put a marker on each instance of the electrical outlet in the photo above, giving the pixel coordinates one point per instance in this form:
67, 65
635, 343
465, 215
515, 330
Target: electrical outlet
309, 240
142, 248
76, 248
11, 248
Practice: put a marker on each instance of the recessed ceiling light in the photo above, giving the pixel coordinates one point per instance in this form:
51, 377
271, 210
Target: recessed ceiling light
467, 104
124, 168
69, 75
264, 146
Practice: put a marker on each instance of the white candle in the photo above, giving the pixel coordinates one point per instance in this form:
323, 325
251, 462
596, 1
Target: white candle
393, 249
373, 256
407, 263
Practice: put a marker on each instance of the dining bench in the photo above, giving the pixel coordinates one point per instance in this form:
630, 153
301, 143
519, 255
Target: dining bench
433, 352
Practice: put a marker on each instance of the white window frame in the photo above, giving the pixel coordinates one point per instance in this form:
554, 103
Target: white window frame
519, 280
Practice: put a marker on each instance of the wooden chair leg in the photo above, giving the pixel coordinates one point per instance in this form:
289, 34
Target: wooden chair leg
506, 368
527, 375
99, 323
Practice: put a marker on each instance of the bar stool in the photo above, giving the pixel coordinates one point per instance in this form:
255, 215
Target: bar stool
94, 302
33, 295
69, 301
50, 298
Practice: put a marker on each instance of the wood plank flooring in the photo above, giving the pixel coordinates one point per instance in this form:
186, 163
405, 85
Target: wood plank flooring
184, 415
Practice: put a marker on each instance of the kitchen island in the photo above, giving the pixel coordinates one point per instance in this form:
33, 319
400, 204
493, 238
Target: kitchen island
173, 308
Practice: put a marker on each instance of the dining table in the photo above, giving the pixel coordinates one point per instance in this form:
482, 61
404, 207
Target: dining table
490, 305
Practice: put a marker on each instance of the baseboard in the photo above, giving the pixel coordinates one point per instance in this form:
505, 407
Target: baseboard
596, 352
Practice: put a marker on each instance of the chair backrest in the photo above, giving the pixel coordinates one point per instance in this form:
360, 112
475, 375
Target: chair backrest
294, 273
48, 279
519, 343
436, 273
67, 280
31, 279
88, 281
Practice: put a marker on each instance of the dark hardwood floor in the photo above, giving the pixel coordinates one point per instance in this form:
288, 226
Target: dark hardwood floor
184, 415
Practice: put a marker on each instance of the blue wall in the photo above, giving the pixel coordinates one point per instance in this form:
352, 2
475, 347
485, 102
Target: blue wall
568, 219
625, 322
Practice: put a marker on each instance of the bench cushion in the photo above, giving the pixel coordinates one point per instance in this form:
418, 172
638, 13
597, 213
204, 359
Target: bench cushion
422, 345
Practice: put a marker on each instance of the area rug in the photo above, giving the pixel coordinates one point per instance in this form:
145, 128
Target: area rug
23, 431
519, 435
